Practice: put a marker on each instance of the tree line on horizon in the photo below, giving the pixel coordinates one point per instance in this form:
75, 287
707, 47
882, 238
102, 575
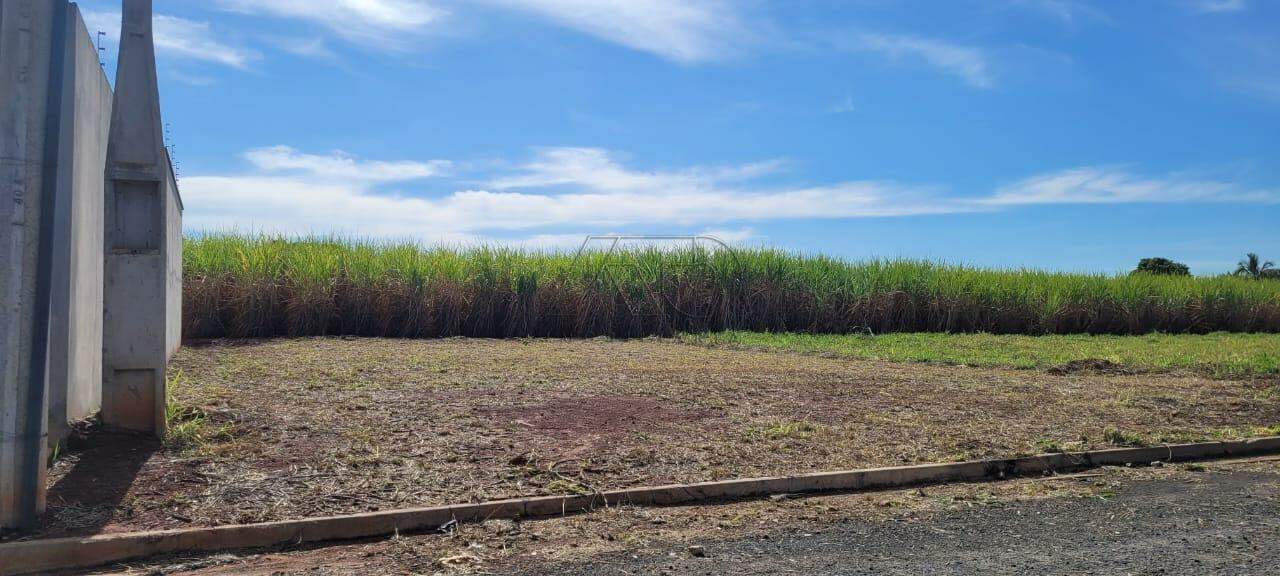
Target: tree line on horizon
1252, 267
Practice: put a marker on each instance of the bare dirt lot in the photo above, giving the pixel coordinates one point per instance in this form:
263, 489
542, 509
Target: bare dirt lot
294, 428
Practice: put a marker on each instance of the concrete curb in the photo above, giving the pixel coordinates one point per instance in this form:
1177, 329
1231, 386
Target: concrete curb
72, 553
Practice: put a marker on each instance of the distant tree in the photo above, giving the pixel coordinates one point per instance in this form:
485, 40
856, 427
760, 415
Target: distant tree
1253, 267
1162, 266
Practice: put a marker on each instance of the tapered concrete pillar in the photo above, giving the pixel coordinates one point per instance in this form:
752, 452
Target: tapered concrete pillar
143, 240
31, 32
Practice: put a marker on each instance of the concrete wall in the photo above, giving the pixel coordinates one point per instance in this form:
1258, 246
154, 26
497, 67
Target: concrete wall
90, 240
173, 252
75, 386
29, 67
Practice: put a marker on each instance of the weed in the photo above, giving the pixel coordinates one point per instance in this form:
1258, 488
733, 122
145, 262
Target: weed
563, 486
784, 430
55, 454
187, 427
1126, 397
1047, 446
1117, 437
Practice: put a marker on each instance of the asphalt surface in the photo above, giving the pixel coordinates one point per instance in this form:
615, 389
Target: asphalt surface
1215, 523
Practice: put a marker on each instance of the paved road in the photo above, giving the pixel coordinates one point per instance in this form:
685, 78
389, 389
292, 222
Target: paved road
1221, 523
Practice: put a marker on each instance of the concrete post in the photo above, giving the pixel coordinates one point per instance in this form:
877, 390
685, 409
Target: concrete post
143, 240
32, 38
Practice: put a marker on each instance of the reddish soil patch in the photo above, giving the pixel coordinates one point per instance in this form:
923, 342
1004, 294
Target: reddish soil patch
597, 415
566, 427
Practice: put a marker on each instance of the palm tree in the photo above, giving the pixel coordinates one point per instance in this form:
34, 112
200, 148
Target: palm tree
1253, 267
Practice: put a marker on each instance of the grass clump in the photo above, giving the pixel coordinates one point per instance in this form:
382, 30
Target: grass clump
187, 427
259, 286
1218, 354
785, 430
1117, 437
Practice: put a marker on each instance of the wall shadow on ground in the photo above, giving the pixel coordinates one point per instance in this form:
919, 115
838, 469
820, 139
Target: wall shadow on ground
103, 468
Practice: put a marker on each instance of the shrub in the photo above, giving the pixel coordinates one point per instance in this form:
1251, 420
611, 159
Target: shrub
1162, 266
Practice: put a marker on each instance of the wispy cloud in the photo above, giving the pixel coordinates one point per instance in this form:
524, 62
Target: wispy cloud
341, 166
1066, 11
1249, 64
1260, 86
380, 24
968, 63
686, 31
1112, 185
599, 170
1220, 6
178, 38
844, 106
307, 47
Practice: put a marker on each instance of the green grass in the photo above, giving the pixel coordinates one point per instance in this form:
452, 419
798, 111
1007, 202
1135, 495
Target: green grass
1219, 354
187, 428
241, 285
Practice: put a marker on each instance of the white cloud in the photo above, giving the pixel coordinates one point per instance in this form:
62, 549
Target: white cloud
384, 24
564, 193
1109, 185
176, 37
312, 47
686, 31
597, 169
1220, 6
559, 242
706, 239
731, 236
966, 62
341, 166
194, 40
575, 188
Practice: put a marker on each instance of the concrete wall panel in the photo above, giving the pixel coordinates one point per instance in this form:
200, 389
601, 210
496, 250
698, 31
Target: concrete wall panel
29, 44
173, 265
93, 122
75, 387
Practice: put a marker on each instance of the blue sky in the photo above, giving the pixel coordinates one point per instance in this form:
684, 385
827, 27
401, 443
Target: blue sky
1064, 134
